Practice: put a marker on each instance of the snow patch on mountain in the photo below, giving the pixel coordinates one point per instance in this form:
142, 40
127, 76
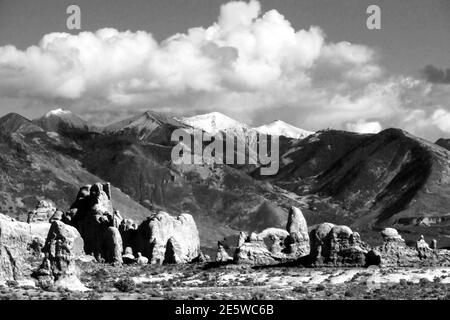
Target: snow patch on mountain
214, 122
57, 112
281, 128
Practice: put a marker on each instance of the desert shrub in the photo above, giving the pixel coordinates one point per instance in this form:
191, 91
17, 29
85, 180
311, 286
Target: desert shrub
349, 293
300, 289
94, 296
125, 285
258, 296
424, 281
12, 283
437, 279
101, 274
320, 287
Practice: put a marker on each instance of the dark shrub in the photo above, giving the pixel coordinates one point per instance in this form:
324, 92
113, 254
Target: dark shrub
300, 290
125, 285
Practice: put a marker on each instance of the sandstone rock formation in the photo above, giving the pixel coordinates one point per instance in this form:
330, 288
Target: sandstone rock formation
93, 215
423, 249
337, 245
42, 213
128, 231
395, 252
318, 238
298, 240
11, 264
274, 245
163, 238
58, 268
433, 245
57, 216
18, 240
222, 254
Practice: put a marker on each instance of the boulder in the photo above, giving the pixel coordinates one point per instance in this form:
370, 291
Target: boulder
141, 259
128, 256
163, 238
58, 269
42, 213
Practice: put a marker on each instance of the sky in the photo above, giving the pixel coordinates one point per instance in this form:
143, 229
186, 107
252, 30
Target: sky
313, 64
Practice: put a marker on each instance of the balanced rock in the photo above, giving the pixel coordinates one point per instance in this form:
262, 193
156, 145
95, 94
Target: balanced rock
58, 268
163, 238
42, 213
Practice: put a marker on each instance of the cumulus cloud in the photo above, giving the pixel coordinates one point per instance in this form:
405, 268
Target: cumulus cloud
365, 127
249, 64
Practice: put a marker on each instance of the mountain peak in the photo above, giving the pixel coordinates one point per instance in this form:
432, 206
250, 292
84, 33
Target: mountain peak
281, 128
57, 112
14, 122
214, 122
62, 121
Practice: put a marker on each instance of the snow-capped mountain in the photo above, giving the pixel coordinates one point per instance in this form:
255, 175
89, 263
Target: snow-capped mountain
62, 121
281, 128
214, 122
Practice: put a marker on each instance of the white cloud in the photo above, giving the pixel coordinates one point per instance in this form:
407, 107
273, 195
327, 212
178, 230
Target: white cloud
365, 127
441, 118
248, 64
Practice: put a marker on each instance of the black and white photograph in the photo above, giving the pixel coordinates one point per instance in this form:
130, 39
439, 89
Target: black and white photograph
221, 150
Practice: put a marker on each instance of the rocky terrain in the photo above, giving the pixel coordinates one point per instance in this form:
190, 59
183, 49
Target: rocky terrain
99, 210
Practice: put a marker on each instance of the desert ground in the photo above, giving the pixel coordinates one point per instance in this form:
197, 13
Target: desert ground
230, 282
